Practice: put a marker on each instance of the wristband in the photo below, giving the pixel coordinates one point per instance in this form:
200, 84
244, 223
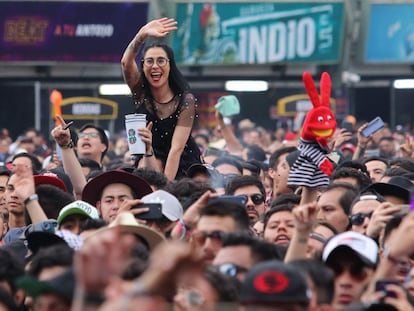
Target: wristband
67, 146
31, 198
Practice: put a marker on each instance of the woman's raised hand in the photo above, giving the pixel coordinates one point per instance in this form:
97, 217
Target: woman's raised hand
159, 28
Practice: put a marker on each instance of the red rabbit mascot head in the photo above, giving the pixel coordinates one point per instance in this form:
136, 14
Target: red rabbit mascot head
320, 122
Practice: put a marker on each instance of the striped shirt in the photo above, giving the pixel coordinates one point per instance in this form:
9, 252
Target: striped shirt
305, 170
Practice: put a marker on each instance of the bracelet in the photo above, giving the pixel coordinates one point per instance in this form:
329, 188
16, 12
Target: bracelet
31, 198
67, 146
387, 255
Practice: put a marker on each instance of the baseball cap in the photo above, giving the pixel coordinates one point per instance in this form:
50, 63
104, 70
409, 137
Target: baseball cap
77, 207
4, 171
93, 189
205, 168
40, 239
363, 246
348, 146
62, 285
127, 223
290, 136
48, 178
398, 186
274, 282
171, 207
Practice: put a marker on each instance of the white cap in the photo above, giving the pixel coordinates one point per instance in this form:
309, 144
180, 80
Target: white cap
363, 246
77, 207
171, 207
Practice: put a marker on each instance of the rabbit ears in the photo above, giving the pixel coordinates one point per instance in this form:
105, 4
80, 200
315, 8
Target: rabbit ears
325, 87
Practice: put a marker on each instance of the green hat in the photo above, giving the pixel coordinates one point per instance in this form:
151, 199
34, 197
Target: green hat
62, 285
228, 105
78, 207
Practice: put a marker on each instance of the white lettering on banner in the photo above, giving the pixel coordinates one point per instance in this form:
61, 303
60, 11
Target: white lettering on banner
86, 109
289, 35
278, 41
303, 105
256, 9
325, 34
94, 30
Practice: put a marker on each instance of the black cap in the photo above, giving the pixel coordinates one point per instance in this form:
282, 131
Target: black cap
200, 168
274, 282
397, 186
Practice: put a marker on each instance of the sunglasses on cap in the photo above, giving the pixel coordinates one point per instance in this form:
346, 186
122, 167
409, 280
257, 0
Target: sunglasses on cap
256, 198
231, 269
200, 237
358, 218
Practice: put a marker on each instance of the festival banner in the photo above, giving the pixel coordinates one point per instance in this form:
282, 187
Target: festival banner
259, 33
68, 31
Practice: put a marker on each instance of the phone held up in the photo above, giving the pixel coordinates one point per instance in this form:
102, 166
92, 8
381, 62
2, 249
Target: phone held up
373, 126
348, 126
381, 286
154, 213
238, 199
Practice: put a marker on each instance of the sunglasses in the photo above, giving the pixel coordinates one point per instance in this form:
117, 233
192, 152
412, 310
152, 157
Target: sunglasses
231, 269
356, 270
201, 237
256, 198
358, 218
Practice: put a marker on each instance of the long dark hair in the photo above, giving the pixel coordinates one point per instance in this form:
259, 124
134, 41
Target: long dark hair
176, 80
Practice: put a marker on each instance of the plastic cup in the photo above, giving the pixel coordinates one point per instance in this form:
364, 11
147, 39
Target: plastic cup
133, 122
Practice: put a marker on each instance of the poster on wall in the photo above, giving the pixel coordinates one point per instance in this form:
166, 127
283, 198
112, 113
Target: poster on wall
258, 33
68, 31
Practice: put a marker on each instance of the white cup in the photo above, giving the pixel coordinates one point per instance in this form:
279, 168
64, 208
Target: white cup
133, 122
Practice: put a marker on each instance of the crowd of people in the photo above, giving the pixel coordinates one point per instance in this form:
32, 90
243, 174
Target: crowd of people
206, 219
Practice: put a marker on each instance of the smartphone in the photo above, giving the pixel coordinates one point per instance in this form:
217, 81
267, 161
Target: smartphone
155, 211
238, 199
348, 126
373, 127
381, 286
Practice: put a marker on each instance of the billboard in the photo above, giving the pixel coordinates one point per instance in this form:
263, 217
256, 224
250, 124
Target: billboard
390, 37
258, 33
68, 31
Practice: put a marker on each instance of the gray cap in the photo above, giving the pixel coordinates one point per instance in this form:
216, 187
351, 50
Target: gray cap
171, 207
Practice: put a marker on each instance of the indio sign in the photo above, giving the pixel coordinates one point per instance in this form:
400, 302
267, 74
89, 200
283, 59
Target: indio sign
89, 108
259, 33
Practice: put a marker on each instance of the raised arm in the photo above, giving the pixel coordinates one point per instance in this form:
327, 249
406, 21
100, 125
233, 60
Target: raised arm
71, 163
158, 28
